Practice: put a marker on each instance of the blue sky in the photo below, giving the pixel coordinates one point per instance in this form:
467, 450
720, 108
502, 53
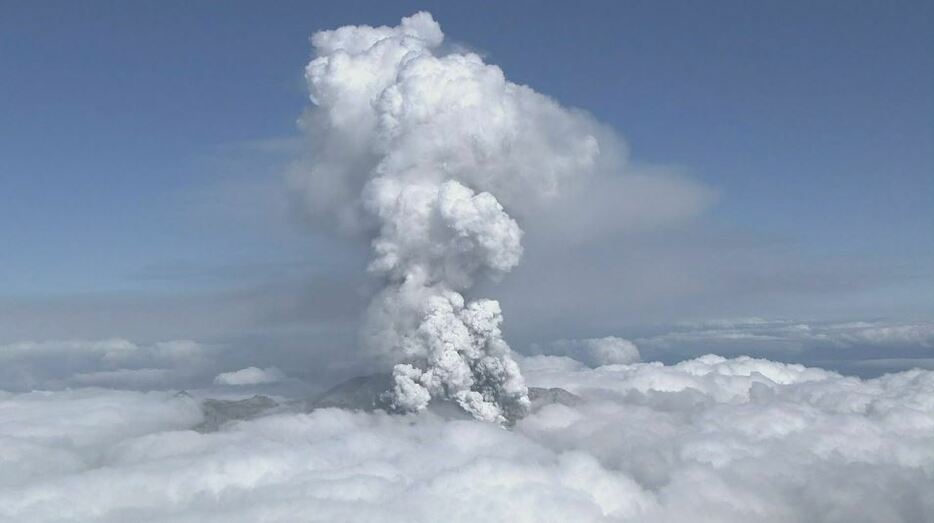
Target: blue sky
142, 141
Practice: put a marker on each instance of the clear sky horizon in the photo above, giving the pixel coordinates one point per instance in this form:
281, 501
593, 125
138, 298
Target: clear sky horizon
142, 145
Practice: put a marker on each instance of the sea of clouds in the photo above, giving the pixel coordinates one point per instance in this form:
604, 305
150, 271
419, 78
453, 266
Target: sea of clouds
708, 439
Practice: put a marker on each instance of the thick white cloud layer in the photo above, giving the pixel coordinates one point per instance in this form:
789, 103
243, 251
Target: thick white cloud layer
709, 439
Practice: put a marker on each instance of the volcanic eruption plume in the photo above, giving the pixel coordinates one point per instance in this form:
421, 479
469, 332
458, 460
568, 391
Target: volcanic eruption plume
422, 148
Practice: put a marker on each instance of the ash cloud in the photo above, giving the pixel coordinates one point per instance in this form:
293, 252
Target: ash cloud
422, 151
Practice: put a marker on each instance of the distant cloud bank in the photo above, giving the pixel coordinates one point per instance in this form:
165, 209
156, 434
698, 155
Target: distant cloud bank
594, 352
250, 376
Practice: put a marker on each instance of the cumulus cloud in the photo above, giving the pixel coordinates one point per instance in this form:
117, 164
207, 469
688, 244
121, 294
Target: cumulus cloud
746, 438
595, 352
709, 439
250, 376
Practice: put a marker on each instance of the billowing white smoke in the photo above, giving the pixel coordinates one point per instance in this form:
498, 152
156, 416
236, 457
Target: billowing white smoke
421, 149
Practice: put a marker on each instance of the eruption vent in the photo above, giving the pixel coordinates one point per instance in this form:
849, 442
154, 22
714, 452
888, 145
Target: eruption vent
422, 149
